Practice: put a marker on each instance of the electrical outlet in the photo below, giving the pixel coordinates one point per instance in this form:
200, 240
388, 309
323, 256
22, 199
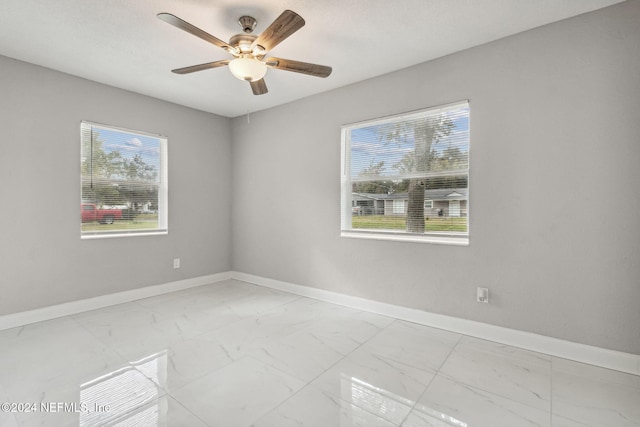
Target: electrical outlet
176, 263
483, 295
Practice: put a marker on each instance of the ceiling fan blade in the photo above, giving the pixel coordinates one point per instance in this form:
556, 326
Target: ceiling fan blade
286, 24
259, 87
200, 67
299, 67
192, 29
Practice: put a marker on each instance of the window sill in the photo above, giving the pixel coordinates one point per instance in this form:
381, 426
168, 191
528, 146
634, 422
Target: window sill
124, 234
444, 239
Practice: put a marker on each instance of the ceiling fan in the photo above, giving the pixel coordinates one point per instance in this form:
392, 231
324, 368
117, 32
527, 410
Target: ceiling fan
249, 50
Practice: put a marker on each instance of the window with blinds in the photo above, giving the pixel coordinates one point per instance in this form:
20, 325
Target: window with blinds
406, 177
123, 182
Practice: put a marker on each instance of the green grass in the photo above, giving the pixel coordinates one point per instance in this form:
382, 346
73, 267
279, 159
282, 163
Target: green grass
387, 222
142, 221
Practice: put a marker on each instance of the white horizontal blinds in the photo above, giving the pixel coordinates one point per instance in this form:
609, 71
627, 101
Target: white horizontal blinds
429, 143
409, 167
122, 181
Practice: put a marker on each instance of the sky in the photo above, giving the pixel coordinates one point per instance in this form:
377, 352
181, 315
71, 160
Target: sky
130, 144
367, 147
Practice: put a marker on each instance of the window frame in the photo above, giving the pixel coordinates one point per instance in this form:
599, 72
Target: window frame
447, 238
163, 185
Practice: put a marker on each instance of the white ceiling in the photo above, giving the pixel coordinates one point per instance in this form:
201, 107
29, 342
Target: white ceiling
122, 43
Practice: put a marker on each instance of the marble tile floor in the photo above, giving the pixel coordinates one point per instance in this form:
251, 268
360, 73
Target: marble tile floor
233, 354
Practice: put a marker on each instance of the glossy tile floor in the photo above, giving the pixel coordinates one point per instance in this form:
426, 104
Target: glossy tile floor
233, 354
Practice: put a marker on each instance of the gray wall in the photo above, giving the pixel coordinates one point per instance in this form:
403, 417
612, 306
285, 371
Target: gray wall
555, 128
42, 259
555, 200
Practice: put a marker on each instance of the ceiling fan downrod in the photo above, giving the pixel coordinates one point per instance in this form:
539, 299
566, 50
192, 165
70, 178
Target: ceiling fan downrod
247, 23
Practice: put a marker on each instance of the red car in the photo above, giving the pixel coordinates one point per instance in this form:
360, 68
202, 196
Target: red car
90, 212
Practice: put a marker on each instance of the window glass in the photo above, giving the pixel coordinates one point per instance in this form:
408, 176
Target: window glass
408, 175
123, 182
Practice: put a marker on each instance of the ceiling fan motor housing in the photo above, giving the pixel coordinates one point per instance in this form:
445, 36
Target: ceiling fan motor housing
243, 43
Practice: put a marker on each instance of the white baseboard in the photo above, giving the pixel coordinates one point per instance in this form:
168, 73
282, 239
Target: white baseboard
611, 359
52, 312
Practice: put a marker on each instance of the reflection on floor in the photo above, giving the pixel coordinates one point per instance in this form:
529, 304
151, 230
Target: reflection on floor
233, 354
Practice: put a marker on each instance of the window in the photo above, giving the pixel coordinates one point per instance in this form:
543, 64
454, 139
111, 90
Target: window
398, 207
123, 182
414, 168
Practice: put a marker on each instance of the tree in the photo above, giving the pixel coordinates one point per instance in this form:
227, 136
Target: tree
374, 170
451, 158
422, 134
108, 178
97, 169
139, 186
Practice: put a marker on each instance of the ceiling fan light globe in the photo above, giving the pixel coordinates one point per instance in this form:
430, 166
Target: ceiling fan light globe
247, 69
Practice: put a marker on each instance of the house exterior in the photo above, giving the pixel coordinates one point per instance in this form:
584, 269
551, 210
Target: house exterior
446, 202
368, 204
